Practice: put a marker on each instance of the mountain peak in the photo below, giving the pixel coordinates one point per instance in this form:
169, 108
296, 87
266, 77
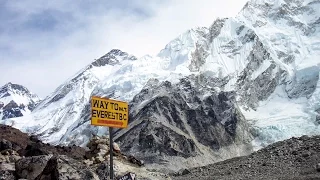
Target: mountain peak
113, 57
11, 87
117, 52
16, 100
9, 83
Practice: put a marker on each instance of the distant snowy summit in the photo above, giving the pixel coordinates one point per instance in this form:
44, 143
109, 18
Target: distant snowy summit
16, 101
113, 57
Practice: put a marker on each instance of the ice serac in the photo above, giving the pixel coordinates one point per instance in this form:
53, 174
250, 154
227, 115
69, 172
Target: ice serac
16, 101
282, 91
61, 110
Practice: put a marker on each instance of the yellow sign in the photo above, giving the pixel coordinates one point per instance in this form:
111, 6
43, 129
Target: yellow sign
109, 112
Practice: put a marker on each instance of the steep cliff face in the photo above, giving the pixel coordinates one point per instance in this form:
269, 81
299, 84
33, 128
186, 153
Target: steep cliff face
184, 119
286, 88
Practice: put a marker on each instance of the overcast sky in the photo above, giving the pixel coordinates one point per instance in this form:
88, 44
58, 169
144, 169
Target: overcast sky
44, 42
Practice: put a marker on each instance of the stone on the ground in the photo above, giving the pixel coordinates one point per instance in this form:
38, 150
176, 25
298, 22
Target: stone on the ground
2, 158
63, 168
31, 167
7, 167
88, 162
6, 175
7, 171
183, 172
116, 147
318, 167
9, 156
136, 161
101, 141
128, 176
99, 159
4, 144
103, 146
103, 170
89, 155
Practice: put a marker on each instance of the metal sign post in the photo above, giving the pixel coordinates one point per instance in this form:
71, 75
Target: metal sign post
111, 113
111, 152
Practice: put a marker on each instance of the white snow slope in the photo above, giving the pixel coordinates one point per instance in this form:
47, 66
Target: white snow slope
289, 31
16, 100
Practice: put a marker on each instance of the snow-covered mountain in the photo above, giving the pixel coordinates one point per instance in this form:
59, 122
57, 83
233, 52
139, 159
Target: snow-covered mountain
253, 77
58, 111
16, 101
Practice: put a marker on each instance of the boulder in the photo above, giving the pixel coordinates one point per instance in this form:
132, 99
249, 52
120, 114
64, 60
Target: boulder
103, 146
2, 158
31, 167
13, 158
103, 171
102, 141
9, 152
134, 160
9, 156
7, 167
5, 175
98, 149
4, 145
88, 162
92, 145
182, 172
63, 168
116, 147
128, 176
99, 159
89, 155
36, 149
7, 171
103, 152
318, 167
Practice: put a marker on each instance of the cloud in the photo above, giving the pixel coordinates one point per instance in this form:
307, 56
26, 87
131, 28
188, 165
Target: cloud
43, 43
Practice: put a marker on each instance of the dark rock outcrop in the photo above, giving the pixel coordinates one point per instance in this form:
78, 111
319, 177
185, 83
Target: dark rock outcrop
46, 162
31, 146
31, 167
4, 144
63, 168
175, 118
11, 110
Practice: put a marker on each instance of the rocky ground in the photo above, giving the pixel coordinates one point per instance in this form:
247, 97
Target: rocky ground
24, 145
26, 157
294, 159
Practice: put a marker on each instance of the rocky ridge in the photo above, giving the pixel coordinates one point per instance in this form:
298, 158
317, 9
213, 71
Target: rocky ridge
24, 157
295, 158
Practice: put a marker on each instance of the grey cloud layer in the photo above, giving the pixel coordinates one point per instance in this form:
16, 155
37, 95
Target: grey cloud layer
42, 43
